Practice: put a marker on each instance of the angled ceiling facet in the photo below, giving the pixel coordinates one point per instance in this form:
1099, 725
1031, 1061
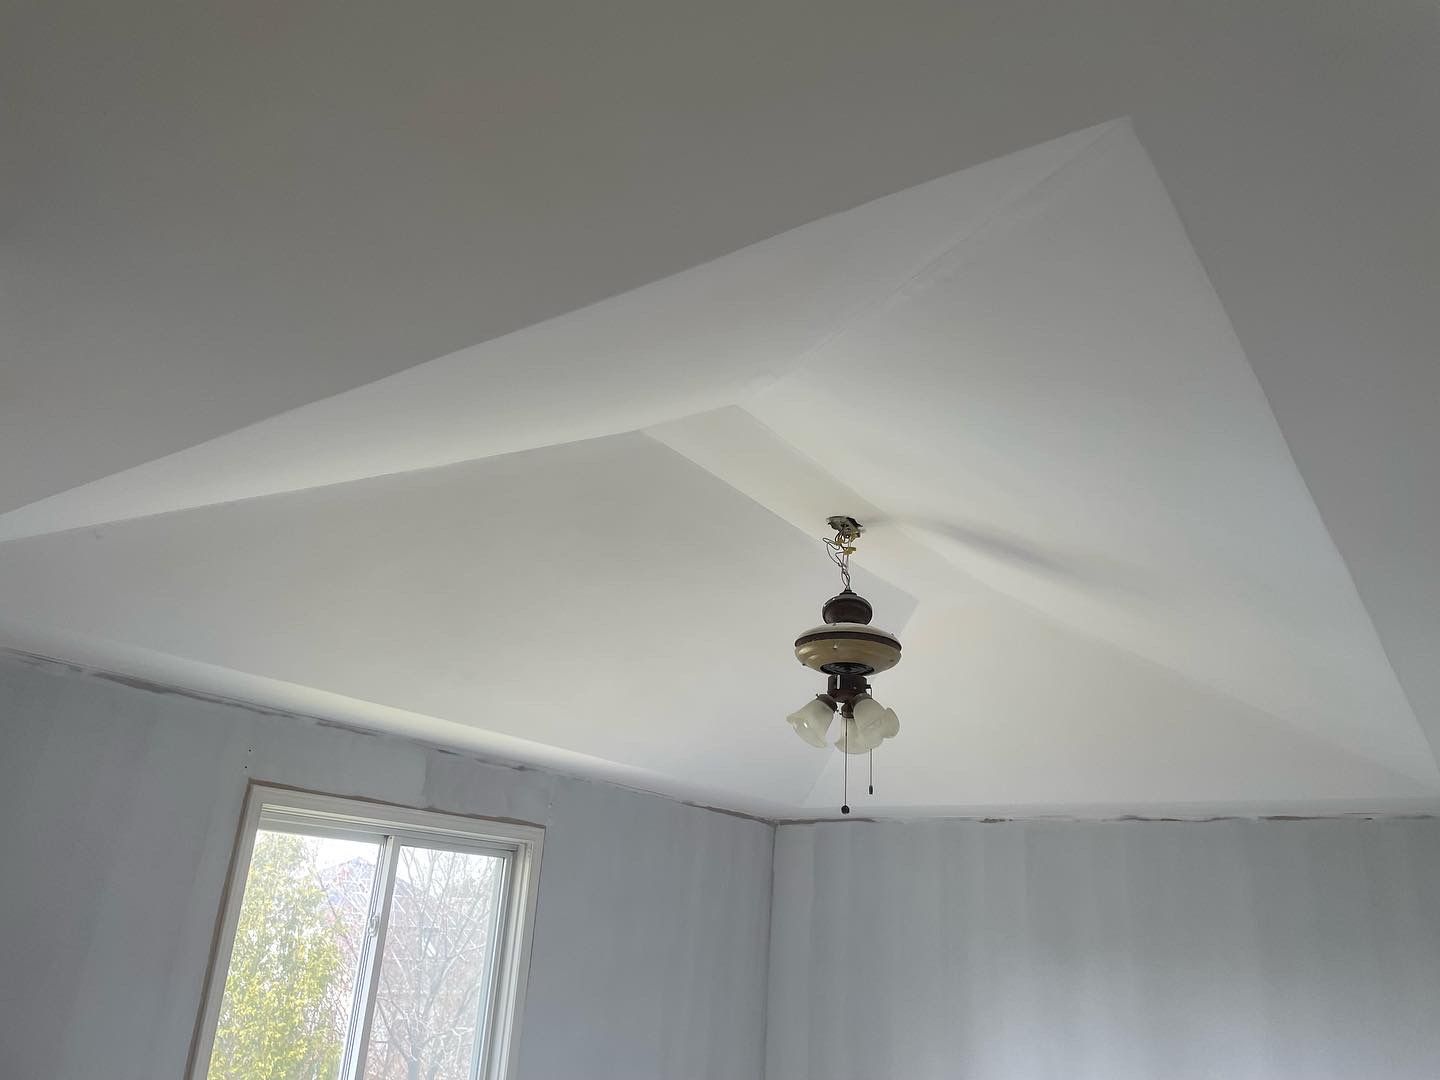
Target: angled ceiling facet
1075, 374
694, 341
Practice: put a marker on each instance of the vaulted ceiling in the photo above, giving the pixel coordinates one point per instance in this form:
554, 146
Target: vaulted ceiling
488, 377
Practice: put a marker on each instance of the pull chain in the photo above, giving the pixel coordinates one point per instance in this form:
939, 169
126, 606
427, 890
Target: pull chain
871, 756
845, 753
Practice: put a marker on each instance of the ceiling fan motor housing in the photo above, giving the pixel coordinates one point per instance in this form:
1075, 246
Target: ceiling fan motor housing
847, 644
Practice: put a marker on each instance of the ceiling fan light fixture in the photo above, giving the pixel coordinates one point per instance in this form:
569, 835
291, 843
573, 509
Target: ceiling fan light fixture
874, 721
812, 720
855, 739
868, 711
890, 726
848, 650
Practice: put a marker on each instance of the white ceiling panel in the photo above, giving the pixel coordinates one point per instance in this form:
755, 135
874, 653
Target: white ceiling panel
590, 542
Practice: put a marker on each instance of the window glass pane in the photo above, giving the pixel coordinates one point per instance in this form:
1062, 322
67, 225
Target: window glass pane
291, 982
434, 972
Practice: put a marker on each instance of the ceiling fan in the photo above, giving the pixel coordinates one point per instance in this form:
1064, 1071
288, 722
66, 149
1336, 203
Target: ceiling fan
846, 649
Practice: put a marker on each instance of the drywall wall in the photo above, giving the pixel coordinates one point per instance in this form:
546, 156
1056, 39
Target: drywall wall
1113, 951
120, 808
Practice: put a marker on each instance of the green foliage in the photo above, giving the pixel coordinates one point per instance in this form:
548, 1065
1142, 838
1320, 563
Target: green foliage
277, 1019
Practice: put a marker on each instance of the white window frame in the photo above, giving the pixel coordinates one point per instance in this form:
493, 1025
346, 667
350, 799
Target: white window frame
272, 807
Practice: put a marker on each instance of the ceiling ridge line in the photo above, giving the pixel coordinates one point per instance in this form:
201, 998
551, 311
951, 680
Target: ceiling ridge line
1233, 332
1007, 212
925, 270
854, 502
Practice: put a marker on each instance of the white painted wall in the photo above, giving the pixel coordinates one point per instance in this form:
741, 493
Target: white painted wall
1113, 951
119, 807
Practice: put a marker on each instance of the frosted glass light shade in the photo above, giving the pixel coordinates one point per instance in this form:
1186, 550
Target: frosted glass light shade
873, 725
811, 721
890, 725
874, 720
855, 739
868, 712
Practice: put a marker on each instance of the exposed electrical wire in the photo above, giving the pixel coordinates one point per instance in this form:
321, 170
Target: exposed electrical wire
840, 549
